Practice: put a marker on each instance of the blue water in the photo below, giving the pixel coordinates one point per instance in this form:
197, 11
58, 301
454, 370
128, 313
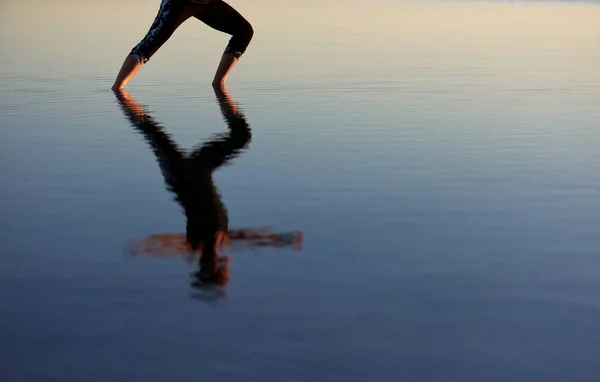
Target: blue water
447, 187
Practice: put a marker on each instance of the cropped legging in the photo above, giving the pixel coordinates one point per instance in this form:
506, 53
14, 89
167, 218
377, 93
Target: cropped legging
215, 13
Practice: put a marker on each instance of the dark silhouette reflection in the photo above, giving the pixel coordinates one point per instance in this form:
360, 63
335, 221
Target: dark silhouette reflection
189, 176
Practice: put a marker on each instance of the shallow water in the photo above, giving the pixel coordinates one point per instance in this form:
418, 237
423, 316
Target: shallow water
440, 160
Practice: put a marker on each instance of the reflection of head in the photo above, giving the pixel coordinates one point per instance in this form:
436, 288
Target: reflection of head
216, 275
213, 270
207, 240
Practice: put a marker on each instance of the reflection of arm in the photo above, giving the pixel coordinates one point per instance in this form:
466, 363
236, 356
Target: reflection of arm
175, 244
226, 146
167, 152
261, 237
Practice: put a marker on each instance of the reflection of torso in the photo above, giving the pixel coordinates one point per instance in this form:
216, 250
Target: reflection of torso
189, 177
202, 203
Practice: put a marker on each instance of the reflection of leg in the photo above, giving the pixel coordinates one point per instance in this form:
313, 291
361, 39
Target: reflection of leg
170, 16
168, 155
221, 16
228, 106
222, 149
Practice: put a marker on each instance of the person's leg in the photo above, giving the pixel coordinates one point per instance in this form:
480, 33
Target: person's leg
221, 16
128, 70
170, 16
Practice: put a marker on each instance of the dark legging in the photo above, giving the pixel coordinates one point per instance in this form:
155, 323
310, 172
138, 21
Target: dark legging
215, 13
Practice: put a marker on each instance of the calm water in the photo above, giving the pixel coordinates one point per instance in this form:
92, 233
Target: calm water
441, 160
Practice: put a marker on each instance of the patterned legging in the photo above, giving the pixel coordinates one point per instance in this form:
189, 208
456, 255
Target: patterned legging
215, 13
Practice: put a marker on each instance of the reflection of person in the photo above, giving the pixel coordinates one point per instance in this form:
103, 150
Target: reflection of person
172, 13
189, 177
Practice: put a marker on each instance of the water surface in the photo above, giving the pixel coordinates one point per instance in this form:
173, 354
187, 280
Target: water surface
439, 158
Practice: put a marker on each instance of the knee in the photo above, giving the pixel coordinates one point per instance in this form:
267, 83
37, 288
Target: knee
244, 32
249, 31
240, 40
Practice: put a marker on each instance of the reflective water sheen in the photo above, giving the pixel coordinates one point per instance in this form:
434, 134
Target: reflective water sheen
440, 160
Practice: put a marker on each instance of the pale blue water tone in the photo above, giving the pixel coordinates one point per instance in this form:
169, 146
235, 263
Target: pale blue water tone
441, 160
